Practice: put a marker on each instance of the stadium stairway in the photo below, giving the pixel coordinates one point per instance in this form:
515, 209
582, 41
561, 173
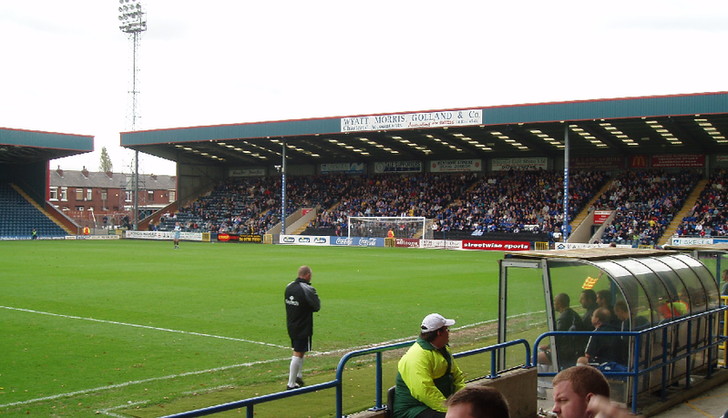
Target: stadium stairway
581, 216
684, 211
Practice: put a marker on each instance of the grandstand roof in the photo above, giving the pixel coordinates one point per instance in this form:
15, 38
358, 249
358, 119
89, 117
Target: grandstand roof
675, 124
20, 146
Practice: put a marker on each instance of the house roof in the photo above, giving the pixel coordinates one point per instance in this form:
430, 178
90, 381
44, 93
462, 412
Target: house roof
95, 179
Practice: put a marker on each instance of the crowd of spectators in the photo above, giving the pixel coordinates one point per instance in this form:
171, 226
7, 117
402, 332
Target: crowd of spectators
645, 202
517, 201
707, 218
419, 194
500, 202
252, 205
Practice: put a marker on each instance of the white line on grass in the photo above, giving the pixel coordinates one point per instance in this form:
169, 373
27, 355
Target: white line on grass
199, 334
174, 376
137, 382
108, 411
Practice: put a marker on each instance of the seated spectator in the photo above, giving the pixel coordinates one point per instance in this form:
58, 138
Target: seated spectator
602, 349
427, 374
567, 320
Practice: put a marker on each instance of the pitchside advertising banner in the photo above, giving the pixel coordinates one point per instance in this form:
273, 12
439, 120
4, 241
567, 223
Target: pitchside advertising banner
303, 240
699, 241
412, 120
406, 242
580, 246
321, 240
496, 245
163, 235
238, 238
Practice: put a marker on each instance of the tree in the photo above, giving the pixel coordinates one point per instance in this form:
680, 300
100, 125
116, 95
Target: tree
105, 165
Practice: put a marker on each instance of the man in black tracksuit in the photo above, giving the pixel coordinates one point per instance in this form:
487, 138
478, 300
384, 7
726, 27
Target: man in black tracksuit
301, 302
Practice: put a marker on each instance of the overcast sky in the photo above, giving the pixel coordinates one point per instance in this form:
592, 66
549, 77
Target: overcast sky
66, 66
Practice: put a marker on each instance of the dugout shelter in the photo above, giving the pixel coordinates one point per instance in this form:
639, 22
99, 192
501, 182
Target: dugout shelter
658, 287
686, 130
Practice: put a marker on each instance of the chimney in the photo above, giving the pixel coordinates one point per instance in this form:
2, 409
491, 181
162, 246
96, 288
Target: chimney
84, 172
110, 174
59, 171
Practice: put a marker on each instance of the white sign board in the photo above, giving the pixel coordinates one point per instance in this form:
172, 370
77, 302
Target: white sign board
412, 120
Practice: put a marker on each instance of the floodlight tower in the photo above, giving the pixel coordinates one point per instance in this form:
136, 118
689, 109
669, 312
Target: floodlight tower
133, 21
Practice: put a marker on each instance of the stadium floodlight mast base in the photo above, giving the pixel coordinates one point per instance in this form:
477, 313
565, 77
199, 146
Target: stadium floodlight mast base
133, 21
379, 226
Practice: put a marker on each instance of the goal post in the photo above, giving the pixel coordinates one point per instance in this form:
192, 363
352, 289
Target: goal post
414, 227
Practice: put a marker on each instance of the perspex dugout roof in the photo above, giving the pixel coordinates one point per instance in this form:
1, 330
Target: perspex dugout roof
651, 282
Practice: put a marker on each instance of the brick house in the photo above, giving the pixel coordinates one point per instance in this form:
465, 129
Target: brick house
104, 199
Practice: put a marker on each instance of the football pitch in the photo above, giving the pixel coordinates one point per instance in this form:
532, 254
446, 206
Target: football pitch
137, 328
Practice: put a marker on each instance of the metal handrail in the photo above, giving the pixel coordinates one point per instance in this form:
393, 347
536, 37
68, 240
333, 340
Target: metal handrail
636, 372
338, 381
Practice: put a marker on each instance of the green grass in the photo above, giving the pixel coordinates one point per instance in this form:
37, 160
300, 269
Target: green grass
109, 344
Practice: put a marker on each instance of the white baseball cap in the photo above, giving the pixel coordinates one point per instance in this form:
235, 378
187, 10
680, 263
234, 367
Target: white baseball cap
435, 321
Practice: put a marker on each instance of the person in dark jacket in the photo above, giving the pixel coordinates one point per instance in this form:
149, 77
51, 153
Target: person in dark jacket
301, 302
603, 349
588, 301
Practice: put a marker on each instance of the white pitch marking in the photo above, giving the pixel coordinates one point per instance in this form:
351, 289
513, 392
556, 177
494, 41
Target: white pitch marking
108, 412
199, 334
153, 379
137, 382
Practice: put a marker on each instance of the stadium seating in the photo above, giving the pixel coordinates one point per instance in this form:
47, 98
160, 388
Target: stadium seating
517, 205
707, 218
18, 217
645, 202
518, 202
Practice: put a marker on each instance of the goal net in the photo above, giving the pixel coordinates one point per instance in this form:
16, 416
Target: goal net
380, 226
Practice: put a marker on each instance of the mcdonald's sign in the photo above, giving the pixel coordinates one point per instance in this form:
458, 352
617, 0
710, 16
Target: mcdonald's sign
638, 161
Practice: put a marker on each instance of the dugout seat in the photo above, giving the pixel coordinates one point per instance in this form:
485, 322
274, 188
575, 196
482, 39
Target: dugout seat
390, 402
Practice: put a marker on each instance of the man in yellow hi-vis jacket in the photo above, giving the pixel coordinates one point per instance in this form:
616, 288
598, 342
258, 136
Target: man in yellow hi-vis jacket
427, 373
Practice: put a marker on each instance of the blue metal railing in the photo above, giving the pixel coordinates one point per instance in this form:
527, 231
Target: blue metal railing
337, 383
635, 372
713, 341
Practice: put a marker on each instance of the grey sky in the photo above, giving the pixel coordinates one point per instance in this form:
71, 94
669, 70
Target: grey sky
67, 66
